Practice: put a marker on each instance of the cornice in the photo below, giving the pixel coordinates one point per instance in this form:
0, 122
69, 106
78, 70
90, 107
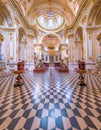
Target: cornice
93, 27
7, 29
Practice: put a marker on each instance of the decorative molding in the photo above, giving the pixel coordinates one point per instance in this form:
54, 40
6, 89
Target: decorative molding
93, 27
7, 29
99, 37
1, 38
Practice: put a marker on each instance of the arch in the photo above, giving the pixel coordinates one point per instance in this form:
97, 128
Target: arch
51, 42
49, 38
5, 17
22, 35
78, 40
95, 14
79, 34
49, 34
22, 44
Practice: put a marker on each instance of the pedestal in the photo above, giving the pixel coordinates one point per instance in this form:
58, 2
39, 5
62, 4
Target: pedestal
81, 77
19, 81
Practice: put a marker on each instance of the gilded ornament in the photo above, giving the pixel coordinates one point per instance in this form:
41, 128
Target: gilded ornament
84, 19
99, 37
1, 38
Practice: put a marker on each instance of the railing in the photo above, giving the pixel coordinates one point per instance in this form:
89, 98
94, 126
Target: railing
2, 65
73, 66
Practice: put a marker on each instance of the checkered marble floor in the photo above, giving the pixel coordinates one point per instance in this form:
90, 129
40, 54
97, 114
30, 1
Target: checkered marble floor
50, 101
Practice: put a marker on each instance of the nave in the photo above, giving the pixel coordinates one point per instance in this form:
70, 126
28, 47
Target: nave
50, 101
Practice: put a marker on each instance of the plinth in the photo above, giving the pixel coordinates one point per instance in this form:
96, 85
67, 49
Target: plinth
81, 77
19, 80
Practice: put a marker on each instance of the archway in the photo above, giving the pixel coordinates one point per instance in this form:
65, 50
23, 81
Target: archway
94, 29
51, 43
79, 44
5, 22
22, 44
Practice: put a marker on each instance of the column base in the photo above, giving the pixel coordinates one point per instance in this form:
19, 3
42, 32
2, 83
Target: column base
18, 83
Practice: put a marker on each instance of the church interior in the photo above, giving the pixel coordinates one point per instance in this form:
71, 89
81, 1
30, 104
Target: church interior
50, 64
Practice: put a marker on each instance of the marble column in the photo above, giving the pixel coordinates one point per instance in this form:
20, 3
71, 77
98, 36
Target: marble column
76, 51
0, 51
99, 39
84, 42
1, 40
25, 51
89, 45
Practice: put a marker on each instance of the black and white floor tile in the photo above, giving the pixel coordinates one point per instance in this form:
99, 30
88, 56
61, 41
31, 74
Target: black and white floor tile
50, 101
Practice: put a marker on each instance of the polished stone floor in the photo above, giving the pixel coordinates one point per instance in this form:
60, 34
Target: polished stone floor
50, 101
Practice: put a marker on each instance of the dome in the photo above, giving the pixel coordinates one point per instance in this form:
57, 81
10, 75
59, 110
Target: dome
50, 20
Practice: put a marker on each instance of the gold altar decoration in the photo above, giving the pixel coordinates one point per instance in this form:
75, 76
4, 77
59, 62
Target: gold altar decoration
51, 46
1, 38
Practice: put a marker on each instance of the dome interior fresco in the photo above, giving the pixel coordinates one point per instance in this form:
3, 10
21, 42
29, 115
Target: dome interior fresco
50, 20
